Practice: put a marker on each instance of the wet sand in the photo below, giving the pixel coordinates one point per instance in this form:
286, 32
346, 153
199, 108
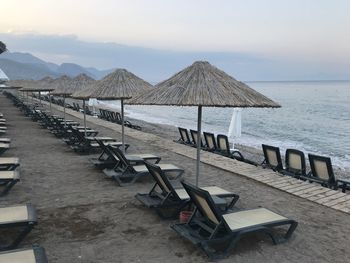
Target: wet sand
85, 217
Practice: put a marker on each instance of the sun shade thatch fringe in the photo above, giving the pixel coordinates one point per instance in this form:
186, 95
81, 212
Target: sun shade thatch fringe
66, 86
120, 84
30, 85
202, 84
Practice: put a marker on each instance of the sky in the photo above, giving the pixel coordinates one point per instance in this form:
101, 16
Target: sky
309, 32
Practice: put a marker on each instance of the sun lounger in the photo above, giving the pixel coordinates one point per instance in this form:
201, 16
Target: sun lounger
194, 136
32, 255
295, 163
322, 173
171, 199
7, 180
5, 140
210, 142
184, 136
272, 157
217, 233
4, 147
22, 217
107, 158
8, 163
128, 171
223, 147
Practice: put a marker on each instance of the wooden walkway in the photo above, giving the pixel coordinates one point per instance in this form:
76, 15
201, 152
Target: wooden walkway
312, 192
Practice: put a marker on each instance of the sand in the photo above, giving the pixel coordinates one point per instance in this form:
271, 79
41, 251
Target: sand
85, 217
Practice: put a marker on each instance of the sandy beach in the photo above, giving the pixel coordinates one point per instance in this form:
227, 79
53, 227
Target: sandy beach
85, 217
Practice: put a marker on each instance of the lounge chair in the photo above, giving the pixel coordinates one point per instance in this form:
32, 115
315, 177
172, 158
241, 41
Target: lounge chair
170, 200
4, 147
7, 180
22, 217
128, 171
107, 158
224, 149
32, 255
322, 173
217, 233
184, 136
8, 163
210, 142
295, 163
272, 157
195, 137
5, 140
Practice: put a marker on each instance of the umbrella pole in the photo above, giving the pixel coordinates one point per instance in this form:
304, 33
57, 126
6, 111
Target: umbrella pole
199, 131
40, 98
84, 117
50, 104
64, 110
122, 113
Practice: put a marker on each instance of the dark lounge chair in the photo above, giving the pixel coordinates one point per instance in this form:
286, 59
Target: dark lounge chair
21, 217
184, 136
8, 163
32, 255
194, 135
4, 147
210, 142
322, 173
107, 158
217, 233
224, 149
295, 163
272, 157
127, 171
7, 180
170, 200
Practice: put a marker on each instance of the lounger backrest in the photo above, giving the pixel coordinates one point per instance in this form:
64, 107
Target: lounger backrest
161, 179
223, 144
118, 116
184, 135
295, 161
272, 156
210, 140
194, 135
120, 155
203, 202
321, 167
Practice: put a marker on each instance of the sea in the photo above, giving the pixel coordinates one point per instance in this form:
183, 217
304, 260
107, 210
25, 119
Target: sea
314, 118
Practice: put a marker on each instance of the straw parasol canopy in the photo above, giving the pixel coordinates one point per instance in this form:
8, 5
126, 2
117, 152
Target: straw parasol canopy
202, 84
2, 47
118, 85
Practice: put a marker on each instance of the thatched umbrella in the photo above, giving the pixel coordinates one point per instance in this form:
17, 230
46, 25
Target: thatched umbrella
2, 47
203, 85
33, 86
118, 85
66, 86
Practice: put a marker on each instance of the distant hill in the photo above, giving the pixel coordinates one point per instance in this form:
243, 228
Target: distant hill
19, 65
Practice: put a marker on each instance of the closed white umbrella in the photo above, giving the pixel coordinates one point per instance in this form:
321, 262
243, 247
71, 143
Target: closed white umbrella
235, 129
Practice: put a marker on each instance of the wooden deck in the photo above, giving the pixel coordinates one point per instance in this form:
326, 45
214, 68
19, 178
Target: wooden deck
310, 191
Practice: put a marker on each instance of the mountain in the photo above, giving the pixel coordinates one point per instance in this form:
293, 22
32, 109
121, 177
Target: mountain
17, 70
18, 65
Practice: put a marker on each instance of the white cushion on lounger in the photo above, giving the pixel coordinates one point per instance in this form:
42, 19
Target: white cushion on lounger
9, 175
213, 190
164, 167
5, 145
9, 160
253, 217
142, 156
23, 256
5, 140
13, 213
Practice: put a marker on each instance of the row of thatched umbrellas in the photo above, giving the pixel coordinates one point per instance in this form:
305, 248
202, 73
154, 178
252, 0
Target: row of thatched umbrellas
199, 85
